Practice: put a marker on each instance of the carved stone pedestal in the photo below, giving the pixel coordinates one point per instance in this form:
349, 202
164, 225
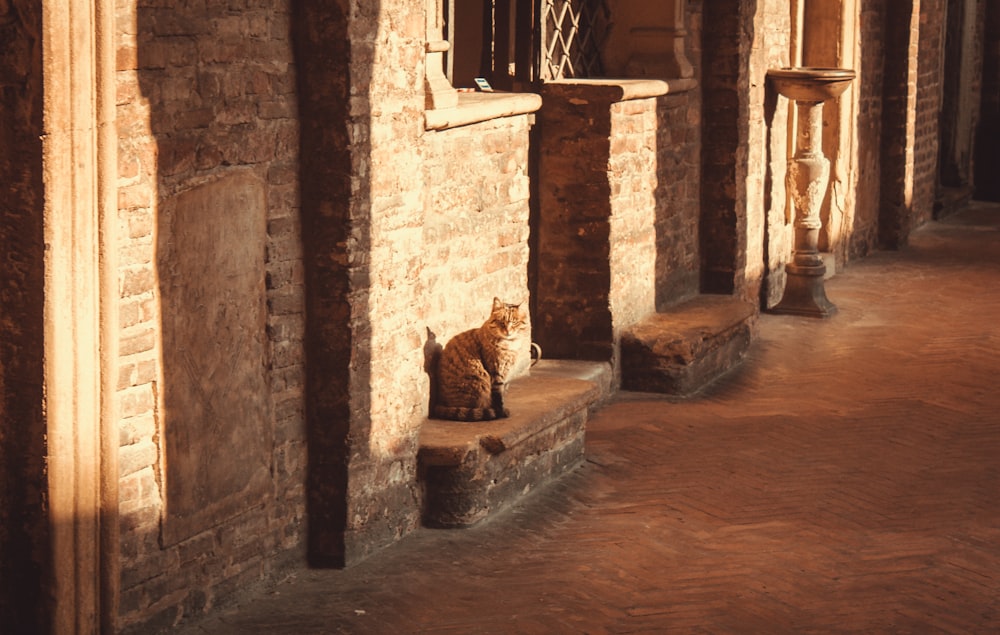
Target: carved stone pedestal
806, 183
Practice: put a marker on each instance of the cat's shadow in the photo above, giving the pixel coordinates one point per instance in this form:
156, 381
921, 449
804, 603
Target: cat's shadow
432, 357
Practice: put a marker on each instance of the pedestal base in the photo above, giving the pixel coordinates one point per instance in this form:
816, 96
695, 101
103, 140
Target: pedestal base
805, 294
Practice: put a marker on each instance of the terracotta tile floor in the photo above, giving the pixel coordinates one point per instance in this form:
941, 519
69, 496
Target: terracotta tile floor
846, 479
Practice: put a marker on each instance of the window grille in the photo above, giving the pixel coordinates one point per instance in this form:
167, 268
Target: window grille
572, 35
524, 42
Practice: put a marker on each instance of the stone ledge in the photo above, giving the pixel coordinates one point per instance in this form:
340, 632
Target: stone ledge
478, 107
614, 90
684, 349
471, 470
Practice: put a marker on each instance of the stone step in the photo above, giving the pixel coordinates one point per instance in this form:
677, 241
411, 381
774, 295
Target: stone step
682, 350
471, 470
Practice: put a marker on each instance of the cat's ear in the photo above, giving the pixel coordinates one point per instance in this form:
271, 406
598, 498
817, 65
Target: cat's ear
497, 304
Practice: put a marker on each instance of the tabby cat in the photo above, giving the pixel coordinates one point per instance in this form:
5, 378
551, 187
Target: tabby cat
476, 364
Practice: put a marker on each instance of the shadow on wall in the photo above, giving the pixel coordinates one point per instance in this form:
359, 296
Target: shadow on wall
987, 162
723, 129
25, 551
334, 231
774, 277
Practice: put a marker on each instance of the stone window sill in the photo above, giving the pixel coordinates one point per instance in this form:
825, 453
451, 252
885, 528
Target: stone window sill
477, 107
614, 90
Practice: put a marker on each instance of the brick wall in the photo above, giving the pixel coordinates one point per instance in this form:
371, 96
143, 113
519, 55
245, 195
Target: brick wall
634, 174
204, 92
987, 152
864, 233
767, 234
678, 168
898, 123
930, 65
475, 228
572, 318
379, 241
370, 241
23, 522
336, 239
389, 395
602, 214
769, 230
726, 41
911, 104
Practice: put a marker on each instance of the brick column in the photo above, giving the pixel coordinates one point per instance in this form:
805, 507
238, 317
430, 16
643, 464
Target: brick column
596, 236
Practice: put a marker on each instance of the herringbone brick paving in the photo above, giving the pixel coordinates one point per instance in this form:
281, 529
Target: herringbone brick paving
845, 479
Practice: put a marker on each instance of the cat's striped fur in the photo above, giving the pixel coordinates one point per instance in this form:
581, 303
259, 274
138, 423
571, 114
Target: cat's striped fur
476, 364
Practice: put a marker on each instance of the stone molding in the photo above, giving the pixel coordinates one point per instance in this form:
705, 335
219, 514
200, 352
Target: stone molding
477, 107
81, 326
615, 90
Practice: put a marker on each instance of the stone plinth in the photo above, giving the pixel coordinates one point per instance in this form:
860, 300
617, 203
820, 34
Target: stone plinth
681, 350
472, 470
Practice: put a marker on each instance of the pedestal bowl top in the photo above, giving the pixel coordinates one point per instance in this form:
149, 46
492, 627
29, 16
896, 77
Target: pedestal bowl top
811, 84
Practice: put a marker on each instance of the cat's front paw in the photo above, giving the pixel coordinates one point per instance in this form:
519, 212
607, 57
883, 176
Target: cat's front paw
503, 413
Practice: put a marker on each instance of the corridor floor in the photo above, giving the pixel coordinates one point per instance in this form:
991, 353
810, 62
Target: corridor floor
845, 479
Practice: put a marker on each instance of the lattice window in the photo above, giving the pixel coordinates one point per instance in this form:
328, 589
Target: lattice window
515, 44
572, 34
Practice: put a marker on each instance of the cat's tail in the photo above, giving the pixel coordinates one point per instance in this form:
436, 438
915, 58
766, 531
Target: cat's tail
458, 413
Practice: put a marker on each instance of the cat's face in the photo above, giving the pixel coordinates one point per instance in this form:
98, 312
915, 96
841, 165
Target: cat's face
507, 321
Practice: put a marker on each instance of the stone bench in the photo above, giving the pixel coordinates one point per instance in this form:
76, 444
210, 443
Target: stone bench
685, 348
471, 470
